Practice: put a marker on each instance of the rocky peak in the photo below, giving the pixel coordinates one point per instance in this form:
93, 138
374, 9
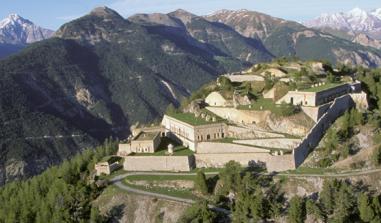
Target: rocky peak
183, 15
14, 19
14, 29
248, 23
105, 12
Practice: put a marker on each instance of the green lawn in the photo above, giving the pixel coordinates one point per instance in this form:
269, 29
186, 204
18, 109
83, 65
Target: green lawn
190, 118
195, 121
177, 151
261, 104
323, 87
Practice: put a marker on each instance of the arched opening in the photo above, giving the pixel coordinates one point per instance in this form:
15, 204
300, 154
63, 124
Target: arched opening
208, 137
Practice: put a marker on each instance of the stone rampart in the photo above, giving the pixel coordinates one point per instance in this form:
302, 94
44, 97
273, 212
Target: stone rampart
313, 137
159, 163
272, 163
216, 147
316, 112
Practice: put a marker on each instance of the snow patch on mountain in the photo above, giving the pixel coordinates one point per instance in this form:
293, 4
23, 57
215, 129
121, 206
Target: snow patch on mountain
14, 29
354, 20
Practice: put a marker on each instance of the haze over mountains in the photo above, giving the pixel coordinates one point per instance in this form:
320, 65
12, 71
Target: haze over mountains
357, 25
101, 73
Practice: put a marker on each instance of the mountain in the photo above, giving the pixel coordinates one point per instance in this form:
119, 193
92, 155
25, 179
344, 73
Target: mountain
16, 32
377, 13
100, 74
216, 38
287, 38
353, 22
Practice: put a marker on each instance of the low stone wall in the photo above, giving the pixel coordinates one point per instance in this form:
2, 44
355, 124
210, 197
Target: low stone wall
272, 163
312, 139
280, 143
216, 147
159, 163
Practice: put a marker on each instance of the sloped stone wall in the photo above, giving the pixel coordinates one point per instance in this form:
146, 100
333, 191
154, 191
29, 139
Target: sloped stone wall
312, 139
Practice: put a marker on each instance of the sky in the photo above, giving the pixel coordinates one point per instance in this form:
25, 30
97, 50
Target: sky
53, 13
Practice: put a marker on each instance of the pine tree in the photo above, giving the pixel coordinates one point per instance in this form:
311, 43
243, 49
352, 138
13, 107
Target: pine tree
327, 197
365, 208
258, 206
231, 176
296, 211
241, 207
200, 182
344, 203
313, 209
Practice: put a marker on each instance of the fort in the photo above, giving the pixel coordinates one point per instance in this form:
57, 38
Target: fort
226, 125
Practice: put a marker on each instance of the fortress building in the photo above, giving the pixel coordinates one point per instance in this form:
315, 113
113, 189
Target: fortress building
143, 142
190, 130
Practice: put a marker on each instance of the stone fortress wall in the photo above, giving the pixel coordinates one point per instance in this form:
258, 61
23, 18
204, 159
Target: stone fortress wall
316, 112
271, 162
159, 163
312, 139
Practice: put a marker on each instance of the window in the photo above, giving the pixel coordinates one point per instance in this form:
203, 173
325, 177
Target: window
208, 137
222, 135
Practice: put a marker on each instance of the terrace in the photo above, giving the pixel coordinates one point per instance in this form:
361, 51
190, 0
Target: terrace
146, 136
191, 119
322, 87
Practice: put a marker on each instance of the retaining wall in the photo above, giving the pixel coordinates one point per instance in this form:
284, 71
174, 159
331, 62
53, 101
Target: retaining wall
316, 112
313, 137
217, 147
272, 163
159, 163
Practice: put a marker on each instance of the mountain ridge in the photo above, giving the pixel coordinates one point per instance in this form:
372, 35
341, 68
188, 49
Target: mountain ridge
356, 20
